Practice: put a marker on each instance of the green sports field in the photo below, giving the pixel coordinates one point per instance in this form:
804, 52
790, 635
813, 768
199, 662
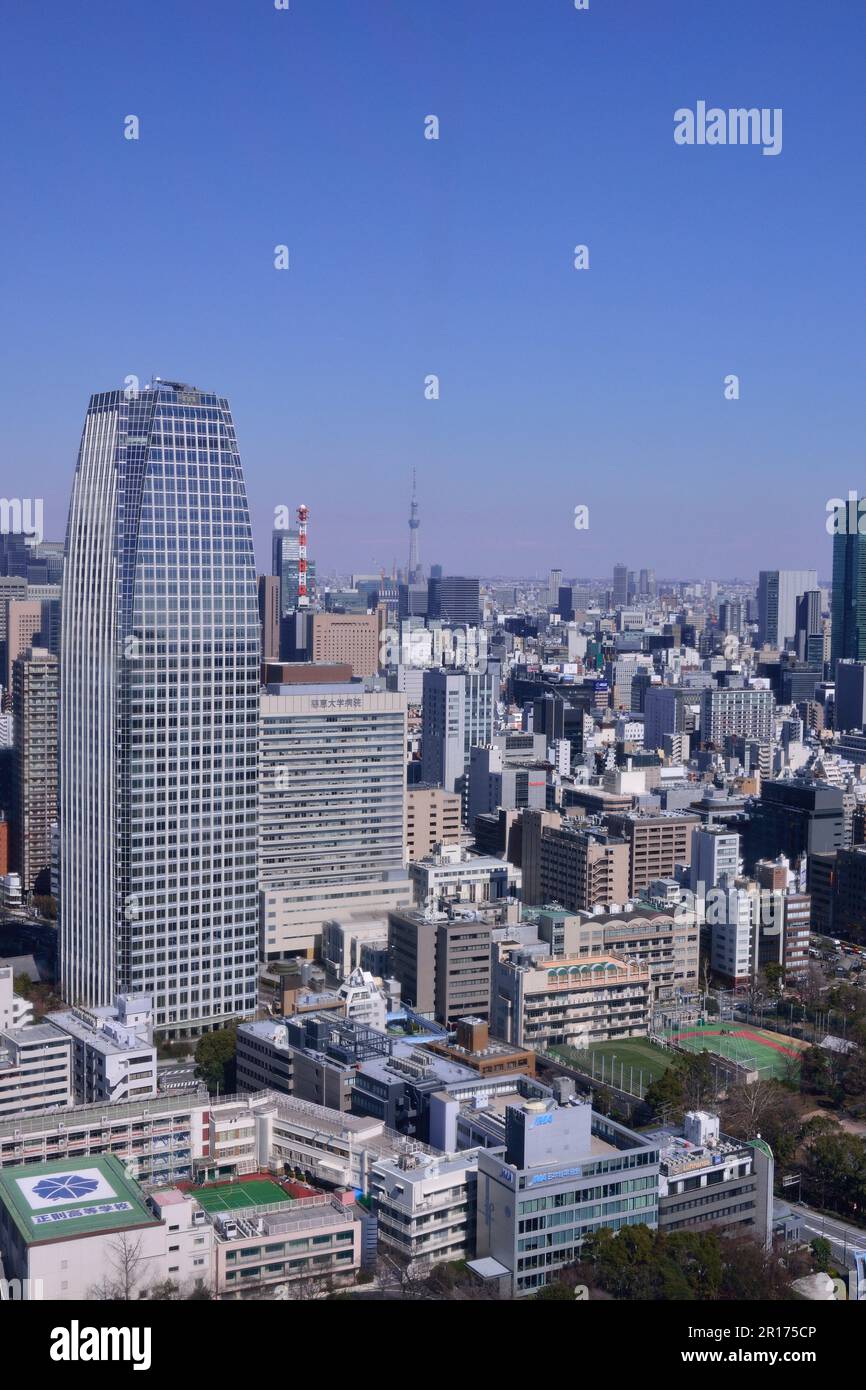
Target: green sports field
628, 1059
770, 1052
257, 1192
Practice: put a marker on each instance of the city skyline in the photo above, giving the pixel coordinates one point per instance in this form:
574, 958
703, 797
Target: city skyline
433, 697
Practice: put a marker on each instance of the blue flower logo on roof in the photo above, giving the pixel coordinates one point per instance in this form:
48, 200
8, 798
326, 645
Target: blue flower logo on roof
66, 1188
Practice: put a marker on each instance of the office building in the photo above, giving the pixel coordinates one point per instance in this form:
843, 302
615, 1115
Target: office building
659, 843
23, 626
573, 865
778, 592
113, 1056
668, 710
35, 1070
794, 818
269, 616
332, 789
848, 601
734, 936
432, 819
850, 713
455, 599
15, 1010
36, 681
425, 1207
566, 1173
788, 943
810, 628
353, 939
159, 713
457, 715
452, 875
731, 617
620, 586
350, 638
554, 585
848, 906
285, 555
442, 961
731, 710
715, 857
502, 780
412, 600
707, 1180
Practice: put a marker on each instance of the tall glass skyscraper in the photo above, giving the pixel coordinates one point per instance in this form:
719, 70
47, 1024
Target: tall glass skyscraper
159, 712
848, 602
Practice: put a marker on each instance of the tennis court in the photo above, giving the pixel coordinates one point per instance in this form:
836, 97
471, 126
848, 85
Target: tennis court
229, 1196
770, 1053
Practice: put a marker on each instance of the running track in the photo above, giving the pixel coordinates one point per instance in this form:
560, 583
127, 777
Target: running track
744, 1033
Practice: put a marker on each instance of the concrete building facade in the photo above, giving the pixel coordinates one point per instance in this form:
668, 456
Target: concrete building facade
332, 814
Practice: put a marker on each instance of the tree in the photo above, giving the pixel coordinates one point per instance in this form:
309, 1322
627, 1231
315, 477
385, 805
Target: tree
822, 1254
811, 986
773, 978
557, 1292
686, 1085
815, 1072
165, 1291
22, 984
666, 1092
698, 1086
639, 1264
834, 1173
215, 1056
602, 1100
768, 1109
124, 1275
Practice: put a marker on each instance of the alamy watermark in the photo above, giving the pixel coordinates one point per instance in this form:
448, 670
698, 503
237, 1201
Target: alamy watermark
15, 1290
737, 126
846, 518
22, 516
77, 1343
461, 646
721, 907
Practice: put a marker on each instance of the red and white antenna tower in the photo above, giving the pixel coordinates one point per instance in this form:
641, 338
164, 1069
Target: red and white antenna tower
303, 596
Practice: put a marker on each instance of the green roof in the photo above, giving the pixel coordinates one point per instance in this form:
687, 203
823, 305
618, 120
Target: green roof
64, 1198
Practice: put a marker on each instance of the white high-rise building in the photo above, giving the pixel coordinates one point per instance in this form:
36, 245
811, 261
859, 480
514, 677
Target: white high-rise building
778, 591
746, 711
457, 716
715, 856
332, 808
733, 921
159, 713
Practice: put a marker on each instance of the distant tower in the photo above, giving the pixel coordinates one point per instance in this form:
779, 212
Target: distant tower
303, 596
414, 523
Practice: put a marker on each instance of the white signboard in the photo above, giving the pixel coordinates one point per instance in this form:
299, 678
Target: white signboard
54, 1189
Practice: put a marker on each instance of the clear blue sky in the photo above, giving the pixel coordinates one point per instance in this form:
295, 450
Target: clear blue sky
454, 257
